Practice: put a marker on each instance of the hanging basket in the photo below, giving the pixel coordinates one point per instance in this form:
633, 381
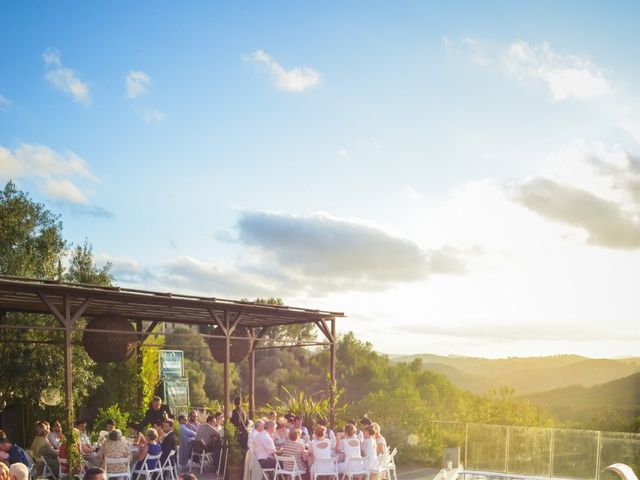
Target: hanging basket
239, 349
104, 347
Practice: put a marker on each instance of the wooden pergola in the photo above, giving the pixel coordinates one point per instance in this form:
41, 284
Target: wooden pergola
68, 302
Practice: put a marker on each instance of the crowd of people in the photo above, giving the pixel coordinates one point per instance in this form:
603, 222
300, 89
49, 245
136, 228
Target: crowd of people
273, 435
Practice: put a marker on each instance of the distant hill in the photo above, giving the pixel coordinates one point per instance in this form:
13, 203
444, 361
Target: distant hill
619, 397
525, 374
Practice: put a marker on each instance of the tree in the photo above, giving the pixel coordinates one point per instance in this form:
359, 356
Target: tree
31, 241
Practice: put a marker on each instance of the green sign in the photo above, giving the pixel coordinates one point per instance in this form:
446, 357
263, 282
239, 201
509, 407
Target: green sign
171, 363
176, 392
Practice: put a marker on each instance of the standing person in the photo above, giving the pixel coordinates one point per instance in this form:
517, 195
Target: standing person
186, 438
240, 421
15, 453
157, 412
169, 441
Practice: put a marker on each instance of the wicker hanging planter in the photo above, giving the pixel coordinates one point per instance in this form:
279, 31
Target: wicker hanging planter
104, 347
240, 349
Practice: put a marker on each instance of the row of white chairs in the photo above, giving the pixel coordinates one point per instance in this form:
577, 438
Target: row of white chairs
286, 466
148, 473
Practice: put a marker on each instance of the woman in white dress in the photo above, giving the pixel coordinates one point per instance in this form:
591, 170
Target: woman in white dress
349, 446
381, 442
320, 448
369, 447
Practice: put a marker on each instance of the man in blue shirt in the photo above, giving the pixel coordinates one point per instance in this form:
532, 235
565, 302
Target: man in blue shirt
16, 453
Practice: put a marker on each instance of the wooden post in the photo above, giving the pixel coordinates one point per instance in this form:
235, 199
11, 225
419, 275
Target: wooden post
227, 358
252, 384
139, 360
332, 375
68, 362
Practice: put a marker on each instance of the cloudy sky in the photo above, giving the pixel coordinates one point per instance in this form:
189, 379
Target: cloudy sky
459, 178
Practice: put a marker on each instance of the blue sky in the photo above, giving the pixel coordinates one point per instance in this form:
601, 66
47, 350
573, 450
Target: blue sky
465, 173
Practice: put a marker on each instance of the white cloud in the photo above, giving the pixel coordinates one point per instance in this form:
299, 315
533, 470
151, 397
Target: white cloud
63, 189
5, 103
51, 56
343, 152
296, 79
151, 115
566, 76
65, 79
53, 172
137, 83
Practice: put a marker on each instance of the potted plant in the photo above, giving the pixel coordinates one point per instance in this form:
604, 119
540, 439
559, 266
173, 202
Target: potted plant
235, 454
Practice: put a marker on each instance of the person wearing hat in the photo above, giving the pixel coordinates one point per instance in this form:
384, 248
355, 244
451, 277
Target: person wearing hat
15, 452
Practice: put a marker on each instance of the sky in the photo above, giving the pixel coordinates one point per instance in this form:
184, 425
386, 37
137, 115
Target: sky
459, 178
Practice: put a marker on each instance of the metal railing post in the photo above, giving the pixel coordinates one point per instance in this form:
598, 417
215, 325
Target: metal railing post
598, 454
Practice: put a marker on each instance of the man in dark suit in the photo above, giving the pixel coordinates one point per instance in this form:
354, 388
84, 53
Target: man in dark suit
169, 442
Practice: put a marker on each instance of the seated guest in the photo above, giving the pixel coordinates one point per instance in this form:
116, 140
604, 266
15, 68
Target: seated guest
219, 425
158, 427
257, 429
273, 416
136, 436
42, 448
295, 448
281, 435
18, 471
381, 442
151, 447
264, 448
85, 442
94, 474
297, 423
320, 445
4, 471
329, 433
209, 435
15, 453
186, 437
169, 442
56, 437
114, 447
193, 422
349, 446
109, 426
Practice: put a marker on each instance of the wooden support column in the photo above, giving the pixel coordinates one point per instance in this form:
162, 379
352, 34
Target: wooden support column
68, 362
227, 359
67, 320
252, 382
139, 360
332, 375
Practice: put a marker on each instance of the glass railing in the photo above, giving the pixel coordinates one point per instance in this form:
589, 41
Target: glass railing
545, 452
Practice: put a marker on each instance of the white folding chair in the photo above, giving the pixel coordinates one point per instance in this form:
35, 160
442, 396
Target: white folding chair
356, 467
286, 465
265, 471
169, 465
110, 462
391, 464
324, 467
380, 466
47, 472
199, 458
147, 471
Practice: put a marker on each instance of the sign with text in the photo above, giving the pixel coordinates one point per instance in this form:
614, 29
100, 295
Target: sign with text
176, 392
171, 363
